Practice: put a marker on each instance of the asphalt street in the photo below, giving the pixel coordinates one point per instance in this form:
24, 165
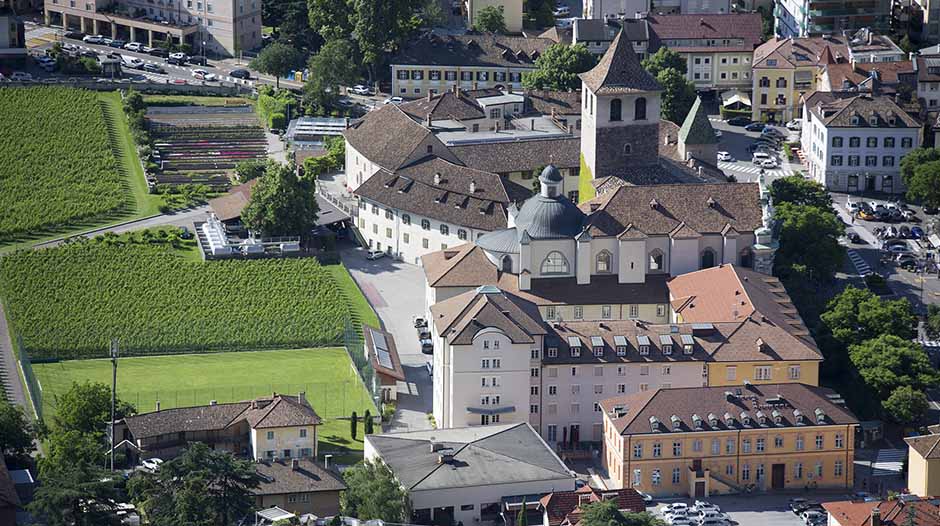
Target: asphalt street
735, 140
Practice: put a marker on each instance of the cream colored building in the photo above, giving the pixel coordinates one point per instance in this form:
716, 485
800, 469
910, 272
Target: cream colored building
705, 441
923, 464
511, 9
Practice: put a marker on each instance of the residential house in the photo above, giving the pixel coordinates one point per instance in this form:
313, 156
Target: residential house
923, 471
209, 28
855, 142
298, 485
596, 34
279, 426
787, 69
12, 37
380, 350
717, 48
867, 45
927, 70
435, 63
692, 7
558, 35
703, 441
905, 510
466, 474
564, 508
511, 10
886, 78
802, 18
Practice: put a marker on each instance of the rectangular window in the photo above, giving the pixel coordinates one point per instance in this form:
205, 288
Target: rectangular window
760, 445
578, 312
605, 312
887, 161
552, 390
534, 372
533, 409
906, 142
871, 160
798, 470
871, 142
729, 446
534, 390
762, 372
746, 445
855, 142
731, 373
303, 432
270, 435
676, 474
597, 407
840, 441
634, 311
889, 142
552, 371
450, 75
799, 443
836, 160
794, 372
553, 353
819, 442
657, 477
637, 450
745, 472
837, 468
621, 388
598, 389
716, 446
637, 477
575, 409
667, 369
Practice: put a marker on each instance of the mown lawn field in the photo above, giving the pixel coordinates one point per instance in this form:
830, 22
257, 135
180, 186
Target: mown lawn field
326, 375
69, 164
69, 302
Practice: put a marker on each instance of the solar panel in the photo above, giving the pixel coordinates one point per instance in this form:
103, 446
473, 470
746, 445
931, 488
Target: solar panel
381, 350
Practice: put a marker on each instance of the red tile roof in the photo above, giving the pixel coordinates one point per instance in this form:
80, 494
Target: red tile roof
564, 507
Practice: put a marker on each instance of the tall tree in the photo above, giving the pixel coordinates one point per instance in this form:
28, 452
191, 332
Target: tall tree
558, 68
490, 20
380, 27
888, 362
809, 243
432, 14
86, 408
16, 432
906, 405
282, 204
664, 59
330, 18
924, 184
200, 487
677, 97
856, 315
799, 190
374, 493
278, 59
333, 66
75, 494
605, 513
353, 425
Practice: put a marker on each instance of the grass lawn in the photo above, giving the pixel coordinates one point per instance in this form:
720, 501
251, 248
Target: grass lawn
194, 100
358, 304
326, 375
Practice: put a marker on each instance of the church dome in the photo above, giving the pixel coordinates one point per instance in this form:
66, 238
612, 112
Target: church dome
549, 217
550, 175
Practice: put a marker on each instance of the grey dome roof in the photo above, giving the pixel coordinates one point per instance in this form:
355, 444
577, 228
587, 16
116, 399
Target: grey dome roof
550, 174
549, 217
504, 241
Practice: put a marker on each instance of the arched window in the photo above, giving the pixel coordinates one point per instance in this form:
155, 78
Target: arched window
555, 263
615, 109
708, 258
639, 109
627, 149
745, 258
603, 262
507, 263
656, 260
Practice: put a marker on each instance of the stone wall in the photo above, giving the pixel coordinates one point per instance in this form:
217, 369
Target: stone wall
612, 152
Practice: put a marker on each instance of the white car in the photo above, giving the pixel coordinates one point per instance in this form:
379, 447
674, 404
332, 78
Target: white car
725, 156
394, 100
677, 506
375, 254
813, 517
93, 39
646, 496
21, 76
134, 62
134, 46
769, 163
151, 464
561, 11
680, 520
359, 89
202, 74
179, 56
794, 125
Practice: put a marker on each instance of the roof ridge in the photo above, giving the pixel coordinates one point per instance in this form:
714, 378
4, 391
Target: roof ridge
649, 398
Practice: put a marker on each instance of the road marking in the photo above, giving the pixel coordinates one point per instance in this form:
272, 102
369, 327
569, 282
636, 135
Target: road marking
754, 170
861, 266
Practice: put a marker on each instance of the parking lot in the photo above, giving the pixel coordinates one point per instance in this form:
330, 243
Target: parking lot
753, 510
735, 140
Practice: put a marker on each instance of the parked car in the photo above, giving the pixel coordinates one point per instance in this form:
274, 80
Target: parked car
359, 89
930, 210
904, 232
93, 39
906, 261
725, 156
151, 464
797, 503
427, 347
813, 517
134, 46
178, 55
680, 520
202, 74
375, 254
21, 76
898, 249
738, 121
178, 61
74, 35
243, 74
561, 11
917, 232
394, 100
852, 206
795, 125
866, 215
855, 239
760, 157
106, 41
198, 60
646, 496
769, 164
909, 215
118, 43
773, 132
157, 52
153, 68
755, 127
755, 147
134, 63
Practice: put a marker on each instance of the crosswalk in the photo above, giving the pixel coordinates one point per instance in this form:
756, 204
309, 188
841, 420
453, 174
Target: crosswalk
741, 167
888, 462
861, 266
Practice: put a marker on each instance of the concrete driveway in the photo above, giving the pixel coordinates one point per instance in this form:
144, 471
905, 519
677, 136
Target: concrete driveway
396, 292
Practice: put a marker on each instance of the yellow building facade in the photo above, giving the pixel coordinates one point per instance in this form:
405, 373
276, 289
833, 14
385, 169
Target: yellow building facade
763, 372
923, 465
796, 438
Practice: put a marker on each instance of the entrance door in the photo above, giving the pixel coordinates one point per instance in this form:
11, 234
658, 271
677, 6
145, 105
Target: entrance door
700, 490
869, 183
777, 476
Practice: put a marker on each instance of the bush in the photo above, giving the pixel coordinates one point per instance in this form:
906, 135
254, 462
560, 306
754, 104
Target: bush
728, 114
278, 121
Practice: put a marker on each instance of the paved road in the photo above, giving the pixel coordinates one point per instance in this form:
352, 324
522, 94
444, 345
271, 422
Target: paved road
735, 140
396, 292
9, 369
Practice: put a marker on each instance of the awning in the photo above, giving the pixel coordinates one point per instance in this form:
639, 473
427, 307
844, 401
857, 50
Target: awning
491, 411
733, 97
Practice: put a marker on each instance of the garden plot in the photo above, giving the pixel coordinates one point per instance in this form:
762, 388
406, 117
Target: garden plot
202, 144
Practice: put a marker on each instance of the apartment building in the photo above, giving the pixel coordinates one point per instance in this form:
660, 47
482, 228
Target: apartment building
12, 36
855, 142
614, 9
804, 18
717, 48
436, 63
787, 69
703, 441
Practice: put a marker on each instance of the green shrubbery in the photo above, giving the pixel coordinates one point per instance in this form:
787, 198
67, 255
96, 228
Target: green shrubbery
333, 160
273, 105
70, 301
57, 167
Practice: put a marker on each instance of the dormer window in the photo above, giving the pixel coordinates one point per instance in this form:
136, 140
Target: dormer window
761, 418
676, 423
666, 342
856, 120
688, 344
574, 344
873, 120
697, 422
643, 344
620, 342
778, 418
553, 352
621, 350
745, 418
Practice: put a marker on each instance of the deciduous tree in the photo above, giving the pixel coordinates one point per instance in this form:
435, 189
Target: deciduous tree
86, 408
333, 66
677, 97
373, 493
490, 20
281, 204
16, 432
558, 68
799, 190
330, 18
605, 513
888, 362
924, 184
809, 242
906, 405
664, 59
856, 315
278, 59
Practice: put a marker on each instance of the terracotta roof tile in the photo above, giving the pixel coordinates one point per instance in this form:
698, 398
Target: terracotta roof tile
279, 478
745, 27
388, 137
515, 156
472, 50
619, 71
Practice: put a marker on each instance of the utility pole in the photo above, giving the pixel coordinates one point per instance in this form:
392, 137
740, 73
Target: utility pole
114, 357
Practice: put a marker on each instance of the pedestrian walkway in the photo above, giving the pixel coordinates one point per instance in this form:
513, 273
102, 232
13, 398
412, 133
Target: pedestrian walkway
861, 266
888, 462
741, 167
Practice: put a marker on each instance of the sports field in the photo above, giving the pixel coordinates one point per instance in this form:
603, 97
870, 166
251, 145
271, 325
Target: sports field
326, 376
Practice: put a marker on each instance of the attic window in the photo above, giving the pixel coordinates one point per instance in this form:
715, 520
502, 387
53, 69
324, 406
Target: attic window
771, 62
856, 120
676, 423
697, 422
688, 344
892, 120
666, 342
778, 418
574, 344
643, 343
621, 343
873, 120
598, 344
745, 418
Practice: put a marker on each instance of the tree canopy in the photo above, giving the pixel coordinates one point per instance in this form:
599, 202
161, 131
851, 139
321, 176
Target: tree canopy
278, 59
86, 408
664, 59
16, 432
799, 190
857, 315
202, 486
333, 66
678, 95
281, 204
888, 362
558, 68
906, 405
373, 493
605, 513
490, 20
809, 243
924, 184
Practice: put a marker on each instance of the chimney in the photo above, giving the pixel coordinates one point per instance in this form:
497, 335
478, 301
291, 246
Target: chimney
326, 461
213, 402
875, 517
532, 124
294, 464
429, 95
158, 405
429, 120
301, 396
473, 186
